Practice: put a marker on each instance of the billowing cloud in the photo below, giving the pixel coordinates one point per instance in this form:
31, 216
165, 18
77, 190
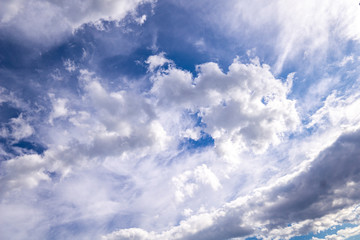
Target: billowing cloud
246, 107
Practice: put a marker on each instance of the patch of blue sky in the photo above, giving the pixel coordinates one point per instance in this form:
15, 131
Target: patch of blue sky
118, 55
31, 146
321, 234
189, 40
7, 111
197, 119
9, 151
253, 238
14, 55
338, 79
53, 175
123, 65
310, 72
205, 140
18, 148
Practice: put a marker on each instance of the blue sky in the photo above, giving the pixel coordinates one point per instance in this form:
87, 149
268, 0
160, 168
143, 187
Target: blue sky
179, 119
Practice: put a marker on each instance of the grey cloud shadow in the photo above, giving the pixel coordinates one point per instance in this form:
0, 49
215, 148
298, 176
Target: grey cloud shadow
311, 195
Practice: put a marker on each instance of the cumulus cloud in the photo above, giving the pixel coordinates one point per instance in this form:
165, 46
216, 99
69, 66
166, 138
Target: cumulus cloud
246, 106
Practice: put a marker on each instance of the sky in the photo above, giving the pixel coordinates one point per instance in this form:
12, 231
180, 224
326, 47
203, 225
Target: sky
191, 120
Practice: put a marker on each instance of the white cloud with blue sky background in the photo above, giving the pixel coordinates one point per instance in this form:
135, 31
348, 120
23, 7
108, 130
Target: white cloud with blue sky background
144, 119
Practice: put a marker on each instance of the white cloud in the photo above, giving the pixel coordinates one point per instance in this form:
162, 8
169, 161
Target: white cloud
120, 157
141, 20
96, 125
342, 234
17, 129
135, 135
19, 221
46, 21
23, 171
204, 175
59, 108
124, 143
69, 65
9, 97
132, 233
187, 228
156, 61
346, 60
247, 106
189, 182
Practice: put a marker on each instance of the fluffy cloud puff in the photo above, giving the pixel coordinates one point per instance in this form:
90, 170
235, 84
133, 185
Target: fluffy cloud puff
246, 107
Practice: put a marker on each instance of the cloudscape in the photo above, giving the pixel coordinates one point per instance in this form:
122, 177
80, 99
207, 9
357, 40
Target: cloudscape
191, 120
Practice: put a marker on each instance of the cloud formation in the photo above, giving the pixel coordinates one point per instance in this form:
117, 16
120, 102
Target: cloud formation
179, 120
315, 193
246, 107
